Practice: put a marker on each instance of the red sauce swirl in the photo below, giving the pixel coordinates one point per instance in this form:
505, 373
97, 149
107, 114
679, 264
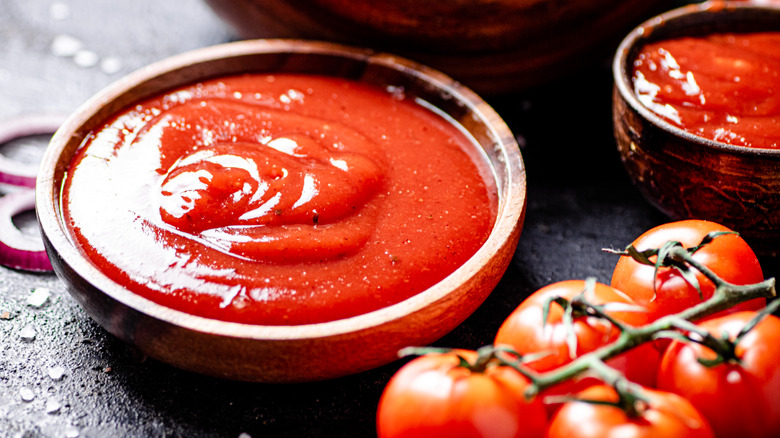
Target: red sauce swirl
278, 199
724, 87
268, 185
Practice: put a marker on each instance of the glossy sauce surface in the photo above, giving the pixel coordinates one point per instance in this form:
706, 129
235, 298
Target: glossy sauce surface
278, 199
724, 87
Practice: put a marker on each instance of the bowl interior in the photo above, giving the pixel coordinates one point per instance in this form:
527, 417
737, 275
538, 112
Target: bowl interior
694, 21
496, 146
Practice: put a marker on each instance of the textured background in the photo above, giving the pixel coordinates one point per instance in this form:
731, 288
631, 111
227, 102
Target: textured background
580, 201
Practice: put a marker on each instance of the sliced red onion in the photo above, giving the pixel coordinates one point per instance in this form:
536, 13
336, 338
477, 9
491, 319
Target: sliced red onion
19, 250
14, 172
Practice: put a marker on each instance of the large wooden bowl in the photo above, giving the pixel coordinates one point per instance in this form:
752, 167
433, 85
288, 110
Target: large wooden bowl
301, 352
492, 46
686, 176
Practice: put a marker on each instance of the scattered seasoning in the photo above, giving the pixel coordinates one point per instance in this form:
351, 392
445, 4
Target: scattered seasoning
59, 11
86, 58
39, 297
28, 333
65, 46
107, 370
111, 65
27, 394
53, 406
56, 373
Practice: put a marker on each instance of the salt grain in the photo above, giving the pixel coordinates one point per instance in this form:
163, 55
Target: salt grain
86, 58
27, 394
111, 65
59, 11
38, 297
65, 46
53, 406
56, 373
27, 333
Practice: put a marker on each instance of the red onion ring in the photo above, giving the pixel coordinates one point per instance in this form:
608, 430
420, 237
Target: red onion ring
18, 250
23, 174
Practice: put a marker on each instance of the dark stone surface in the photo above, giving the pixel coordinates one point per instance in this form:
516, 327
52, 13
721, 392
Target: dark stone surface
580, 201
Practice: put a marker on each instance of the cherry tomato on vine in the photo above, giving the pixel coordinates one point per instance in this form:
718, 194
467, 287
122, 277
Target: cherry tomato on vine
665, 415
436, 396
526, 331
741, 396
728, 256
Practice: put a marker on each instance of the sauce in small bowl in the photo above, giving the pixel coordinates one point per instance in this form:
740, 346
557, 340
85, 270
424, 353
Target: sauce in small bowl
181, 204
721, 86
681, 171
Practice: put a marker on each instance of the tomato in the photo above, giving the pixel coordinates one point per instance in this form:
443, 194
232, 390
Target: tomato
728, 256
666, 415
740, 398
527, 333
434, 396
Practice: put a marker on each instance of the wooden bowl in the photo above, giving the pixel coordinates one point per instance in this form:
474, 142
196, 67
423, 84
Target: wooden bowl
296, 352
686, 176
492, 46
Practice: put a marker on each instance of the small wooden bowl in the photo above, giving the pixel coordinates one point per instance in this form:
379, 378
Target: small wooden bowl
492, 46
287, 353
686, 176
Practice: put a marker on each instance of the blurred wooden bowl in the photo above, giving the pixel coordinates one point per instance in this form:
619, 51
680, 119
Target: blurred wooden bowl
491, 46
302, 352
686, 176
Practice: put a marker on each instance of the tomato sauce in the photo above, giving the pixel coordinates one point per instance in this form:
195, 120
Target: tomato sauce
279, 199
724, 87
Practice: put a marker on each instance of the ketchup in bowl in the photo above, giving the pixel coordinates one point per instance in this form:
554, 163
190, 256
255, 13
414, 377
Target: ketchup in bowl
278, 199
724, 87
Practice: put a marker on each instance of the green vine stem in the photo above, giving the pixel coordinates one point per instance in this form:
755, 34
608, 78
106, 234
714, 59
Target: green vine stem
632, 398
725, 296
723, 346
486, 356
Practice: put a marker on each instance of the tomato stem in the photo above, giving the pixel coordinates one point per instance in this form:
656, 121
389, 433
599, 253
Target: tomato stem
725, 296
724, 347
674, 255
588, 309
487, 356
631, 396
760, 316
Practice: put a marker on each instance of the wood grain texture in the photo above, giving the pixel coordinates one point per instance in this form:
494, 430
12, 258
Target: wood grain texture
686, 176
492, 46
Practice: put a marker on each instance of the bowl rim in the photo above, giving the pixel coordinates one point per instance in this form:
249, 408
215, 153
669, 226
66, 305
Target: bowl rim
509, 213
640, 34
